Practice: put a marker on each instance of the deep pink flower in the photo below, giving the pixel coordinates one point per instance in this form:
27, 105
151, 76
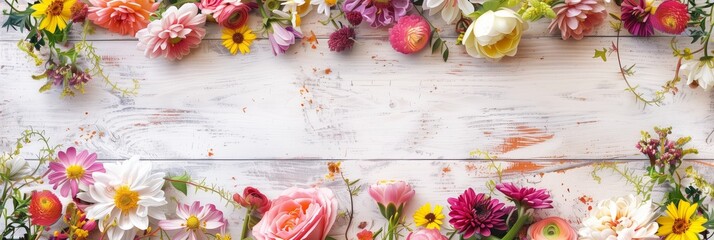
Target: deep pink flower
125, 17
174, 34
379, 13
473, 213
194, 220
575, 18
390, 192
342, 39
253, 198
410, 34
354, 18
671, 17
71, 169
636, 16
233, 16
526, 197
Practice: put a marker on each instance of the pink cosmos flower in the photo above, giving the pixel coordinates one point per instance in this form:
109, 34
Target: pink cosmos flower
392, 192
473, 213
410, 34
575, 18
282, 38
299, 214
125, 17
527, 197
379, 13
174, 34
636, 16
671, 17
426, 234
71, 169
193, 220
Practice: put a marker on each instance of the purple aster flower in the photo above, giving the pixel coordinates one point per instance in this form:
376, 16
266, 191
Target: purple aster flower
473, 213
379, 13
637, 17
282, 38
527, 197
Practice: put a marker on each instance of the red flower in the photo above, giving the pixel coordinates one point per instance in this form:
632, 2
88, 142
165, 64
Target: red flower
365, 235
45, 208
671, 17
252, 197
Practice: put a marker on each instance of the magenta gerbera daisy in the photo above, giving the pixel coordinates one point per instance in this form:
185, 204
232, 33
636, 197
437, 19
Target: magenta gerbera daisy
71, 169
473, 213
636, 14
527, 197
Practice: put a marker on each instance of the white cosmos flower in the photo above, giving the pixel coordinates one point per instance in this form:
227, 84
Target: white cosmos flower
15, 168
620, 218
701, 71
451, 10
126, 194
324, 6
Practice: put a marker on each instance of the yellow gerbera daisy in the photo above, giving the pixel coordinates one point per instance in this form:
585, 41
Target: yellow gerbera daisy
238, 39
54, 14
427, 218
679, 223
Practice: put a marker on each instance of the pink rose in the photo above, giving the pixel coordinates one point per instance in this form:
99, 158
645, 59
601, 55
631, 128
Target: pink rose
426, 234
299, 214
210, 6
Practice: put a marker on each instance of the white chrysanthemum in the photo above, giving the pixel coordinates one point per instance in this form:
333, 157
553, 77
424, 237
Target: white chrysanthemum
701, 71
126, 194
620, 218
14, 168
451, 10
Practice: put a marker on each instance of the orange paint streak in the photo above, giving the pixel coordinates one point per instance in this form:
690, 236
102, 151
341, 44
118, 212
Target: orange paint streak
522, 167
524, 137
585, 199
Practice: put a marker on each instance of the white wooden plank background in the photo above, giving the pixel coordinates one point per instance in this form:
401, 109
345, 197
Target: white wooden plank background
552, 107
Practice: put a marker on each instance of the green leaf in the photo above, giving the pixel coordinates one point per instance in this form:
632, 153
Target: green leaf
491, 5
179, 182
46, 87
601, 54
329, 238
445, 54
436, 45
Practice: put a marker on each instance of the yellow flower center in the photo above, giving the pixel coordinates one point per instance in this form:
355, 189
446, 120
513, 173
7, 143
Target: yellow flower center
192, 223
126, 199
331, 2
55, 8
46, 205
175, 40
302, 9
670, 21
238, 38
74, 171
680, 226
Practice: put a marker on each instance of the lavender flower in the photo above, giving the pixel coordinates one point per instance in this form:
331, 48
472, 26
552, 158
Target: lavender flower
282, 38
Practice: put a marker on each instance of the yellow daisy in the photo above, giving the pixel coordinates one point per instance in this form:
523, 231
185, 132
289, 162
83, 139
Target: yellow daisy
679, 223
238, 39
427, 218
54, 14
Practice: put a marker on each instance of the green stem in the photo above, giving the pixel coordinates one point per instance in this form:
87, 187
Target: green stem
513, 232
260, 7
352, 205
246, 222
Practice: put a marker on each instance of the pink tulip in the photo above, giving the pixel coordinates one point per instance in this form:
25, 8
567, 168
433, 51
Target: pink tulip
387, 192
299, 214
426, 234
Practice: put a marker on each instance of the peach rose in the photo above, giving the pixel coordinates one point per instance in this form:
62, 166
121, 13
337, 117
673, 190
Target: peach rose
299, 214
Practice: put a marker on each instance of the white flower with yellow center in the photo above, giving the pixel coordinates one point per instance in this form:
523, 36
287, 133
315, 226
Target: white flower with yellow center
124, 197
324, 6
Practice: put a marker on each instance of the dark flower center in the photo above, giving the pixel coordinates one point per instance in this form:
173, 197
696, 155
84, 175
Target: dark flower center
238, 38
430, 217
55, 8
680, 226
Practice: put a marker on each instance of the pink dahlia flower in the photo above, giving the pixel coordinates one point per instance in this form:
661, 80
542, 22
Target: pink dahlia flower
174, 34
282, 38
575, 18
526, 197
671, 17
379, 13
636, 16
194, 220
125, 17
410, 34
71, 169
210, 6
390, 192
473, 213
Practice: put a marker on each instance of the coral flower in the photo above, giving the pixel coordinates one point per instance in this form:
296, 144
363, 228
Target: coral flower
527, 197
410, 34
71, 169
125, 17
194, 221
671, 17
238, 39
473, 213
681, 222
365, 235
45, 208
575, 18
636, 16
552, 228
424, 216
174, 34
379, 13
54, 14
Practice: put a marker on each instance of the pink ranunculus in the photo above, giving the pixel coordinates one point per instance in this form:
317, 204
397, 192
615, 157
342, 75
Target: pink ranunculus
551, 228
387, 192
233, 16
426, 234
253, 198
299, 214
